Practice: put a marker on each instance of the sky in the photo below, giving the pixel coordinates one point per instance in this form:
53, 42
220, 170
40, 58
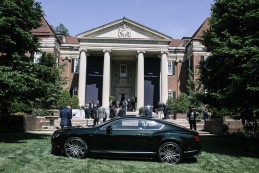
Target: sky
175, 18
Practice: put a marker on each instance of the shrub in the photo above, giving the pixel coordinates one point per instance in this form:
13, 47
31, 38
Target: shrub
65, 99
75, 102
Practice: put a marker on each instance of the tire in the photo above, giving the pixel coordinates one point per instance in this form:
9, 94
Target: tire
75, 148
170, 152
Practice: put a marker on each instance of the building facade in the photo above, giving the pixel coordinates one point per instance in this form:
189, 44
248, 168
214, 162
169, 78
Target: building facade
124, 58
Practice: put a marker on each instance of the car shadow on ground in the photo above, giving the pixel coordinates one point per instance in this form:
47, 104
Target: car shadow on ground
20, 137
236, 147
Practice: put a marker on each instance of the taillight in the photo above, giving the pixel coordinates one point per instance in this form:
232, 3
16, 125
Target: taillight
197, 138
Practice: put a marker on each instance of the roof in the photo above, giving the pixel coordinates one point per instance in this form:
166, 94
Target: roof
71, 40
44, 29
177, 43
125, 20
204, 26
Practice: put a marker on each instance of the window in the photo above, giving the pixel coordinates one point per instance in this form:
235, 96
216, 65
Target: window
123, 70
75, 65
172, 94
203, 58
153, 125
75, 91
171, 67
36, 57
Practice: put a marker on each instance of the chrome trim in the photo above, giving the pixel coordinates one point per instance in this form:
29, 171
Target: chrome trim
123, 152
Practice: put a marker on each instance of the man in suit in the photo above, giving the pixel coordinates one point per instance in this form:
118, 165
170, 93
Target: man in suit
66, 116
192, 118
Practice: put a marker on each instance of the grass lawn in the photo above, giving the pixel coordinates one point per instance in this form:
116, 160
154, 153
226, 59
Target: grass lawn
30, 153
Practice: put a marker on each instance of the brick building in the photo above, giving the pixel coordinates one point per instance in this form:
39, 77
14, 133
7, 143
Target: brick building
124, 57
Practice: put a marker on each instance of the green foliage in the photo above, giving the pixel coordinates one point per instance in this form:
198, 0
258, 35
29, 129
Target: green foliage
133, 100
112, 98
75, 102
17, 19
64, 99
220, 112
40, 112
24, 85
194, 88
229, 153
171, 103
50, 81
230, 75
61, 29
181, 104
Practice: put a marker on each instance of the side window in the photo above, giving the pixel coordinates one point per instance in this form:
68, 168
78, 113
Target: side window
128, 124
153, 125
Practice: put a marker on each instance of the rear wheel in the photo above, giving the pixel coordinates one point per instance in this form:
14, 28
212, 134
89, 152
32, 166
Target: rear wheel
170, 152
75, 148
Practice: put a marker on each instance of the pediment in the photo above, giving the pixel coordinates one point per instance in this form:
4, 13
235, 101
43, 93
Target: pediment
124, 29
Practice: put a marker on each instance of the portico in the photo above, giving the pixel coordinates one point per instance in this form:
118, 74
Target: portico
123, 57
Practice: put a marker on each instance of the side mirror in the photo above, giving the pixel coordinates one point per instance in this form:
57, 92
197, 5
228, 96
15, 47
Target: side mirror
109, 129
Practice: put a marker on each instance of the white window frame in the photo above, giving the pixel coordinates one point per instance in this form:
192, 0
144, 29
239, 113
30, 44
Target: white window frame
76, 62
203, 58
123, 72
75, 91
36, 57
172, 94
171, 67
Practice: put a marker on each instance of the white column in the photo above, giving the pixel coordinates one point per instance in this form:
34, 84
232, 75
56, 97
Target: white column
164, 76
82, 78
106, 79
140, 80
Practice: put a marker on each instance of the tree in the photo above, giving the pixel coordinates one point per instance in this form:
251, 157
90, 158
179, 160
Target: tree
17, 19
194, 89
64, 99
181, 104
49, 75
62, 29
231, 74
24, 85
75, 102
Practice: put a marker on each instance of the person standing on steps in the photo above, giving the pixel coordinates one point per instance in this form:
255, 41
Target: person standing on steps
66, 116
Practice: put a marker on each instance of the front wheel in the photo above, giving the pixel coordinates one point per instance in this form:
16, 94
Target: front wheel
75, 148
170, 152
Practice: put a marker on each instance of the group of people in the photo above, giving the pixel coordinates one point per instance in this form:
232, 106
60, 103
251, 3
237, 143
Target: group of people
119, 109
95, 112
163, 108
98, 113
